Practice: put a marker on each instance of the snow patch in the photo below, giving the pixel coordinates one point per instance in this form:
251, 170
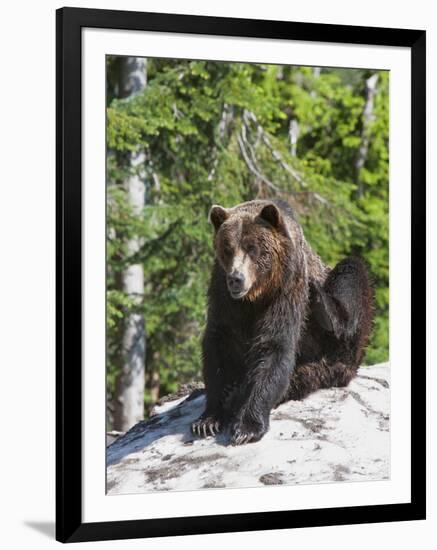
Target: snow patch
339, 434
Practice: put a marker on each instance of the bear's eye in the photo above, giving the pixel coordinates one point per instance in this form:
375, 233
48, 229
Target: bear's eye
252, 249
227, 251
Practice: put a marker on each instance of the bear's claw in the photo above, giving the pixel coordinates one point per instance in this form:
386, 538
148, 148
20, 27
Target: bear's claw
241, 438
243, 433
204, 427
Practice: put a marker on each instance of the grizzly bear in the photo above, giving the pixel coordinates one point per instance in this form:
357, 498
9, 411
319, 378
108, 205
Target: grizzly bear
280, 323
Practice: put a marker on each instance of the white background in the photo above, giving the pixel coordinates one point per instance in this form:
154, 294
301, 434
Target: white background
28, 264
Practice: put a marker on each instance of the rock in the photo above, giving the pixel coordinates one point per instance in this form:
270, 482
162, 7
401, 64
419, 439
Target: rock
112, 436
339, 434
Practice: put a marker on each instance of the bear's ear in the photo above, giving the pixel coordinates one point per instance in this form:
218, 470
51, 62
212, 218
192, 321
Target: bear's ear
271, 214
217, 215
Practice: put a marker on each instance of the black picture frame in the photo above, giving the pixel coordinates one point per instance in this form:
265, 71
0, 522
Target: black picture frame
69, 525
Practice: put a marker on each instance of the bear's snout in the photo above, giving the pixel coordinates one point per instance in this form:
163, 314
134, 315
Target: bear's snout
235, 282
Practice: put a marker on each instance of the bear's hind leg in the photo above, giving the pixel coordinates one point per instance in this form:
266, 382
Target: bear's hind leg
338, 330
309, 377
344, 305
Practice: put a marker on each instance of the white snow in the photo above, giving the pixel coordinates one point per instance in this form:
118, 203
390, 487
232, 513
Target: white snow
340, 434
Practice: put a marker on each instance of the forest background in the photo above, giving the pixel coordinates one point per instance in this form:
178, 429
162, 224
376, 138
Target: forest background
183, 135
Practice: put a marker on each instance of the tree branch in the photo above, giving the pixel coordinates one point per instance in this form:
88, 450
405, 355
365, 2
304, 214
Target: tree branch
248, 117
252, 168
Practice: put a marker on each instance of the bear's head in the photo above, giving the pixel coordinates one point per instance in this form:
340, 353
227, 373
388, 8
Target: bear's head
252, 245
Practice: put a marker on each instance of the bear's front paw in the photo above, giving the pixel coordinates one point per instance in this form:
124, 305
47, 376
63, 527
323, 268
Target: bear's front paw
205, 426
246, 432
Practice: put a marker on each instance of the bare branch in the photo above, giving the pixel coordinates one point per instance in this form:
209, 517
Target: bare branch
249, 156
249, 116
251, 165
314, 196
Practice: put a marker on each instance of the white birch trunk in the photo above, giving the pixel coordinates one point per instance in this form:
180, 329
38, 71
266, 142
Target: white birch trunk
367, 120
129, 397
293, 134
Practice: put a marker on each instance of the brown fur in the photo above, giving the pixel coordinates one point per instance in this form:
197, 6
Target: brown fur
281, 324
